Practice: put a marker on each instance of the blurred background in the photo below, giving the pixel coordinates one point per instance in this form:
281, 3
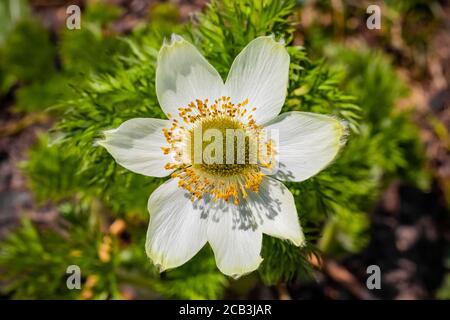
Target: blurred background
385, 202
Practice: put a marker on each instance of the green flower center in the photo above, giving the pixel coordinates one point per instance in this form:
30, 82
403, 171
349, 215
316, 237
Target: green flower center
223, 147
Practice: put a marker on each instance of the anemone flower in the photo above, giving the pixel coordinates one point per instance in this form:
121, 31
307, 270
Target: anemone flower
229, 204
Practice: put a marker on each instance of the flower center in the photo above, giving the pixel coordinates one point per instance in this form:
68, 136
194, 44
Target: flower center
218, 150
223, 145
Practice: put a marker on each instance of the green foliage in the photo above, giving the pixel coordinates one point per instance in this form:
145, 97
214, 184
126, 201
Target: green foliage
29, 58
227, 26
59, 172
88, 49
21, 63
21, 58
53, 174
385, 147
284, 262
42, 96
369, 76
444, 291
11, 12
38, 260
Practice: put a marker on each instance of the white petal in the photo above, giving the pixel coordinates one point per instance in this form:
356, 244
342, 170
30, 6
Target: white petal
184, 75
308, 142
136, 145
177, 228
235, 238
274, 207
260, 74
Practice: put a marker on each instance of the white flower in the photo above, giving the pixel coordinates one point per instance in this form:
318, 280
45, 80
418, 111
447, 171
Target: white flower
229, 206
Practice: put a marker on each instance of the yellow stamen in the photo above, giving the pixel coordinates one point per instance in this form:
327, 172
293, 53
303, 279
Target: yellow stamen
219, 181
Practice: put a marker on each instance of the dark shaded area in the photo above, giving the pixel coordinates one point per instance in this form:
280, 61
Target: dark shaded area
408, 243
409, 240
